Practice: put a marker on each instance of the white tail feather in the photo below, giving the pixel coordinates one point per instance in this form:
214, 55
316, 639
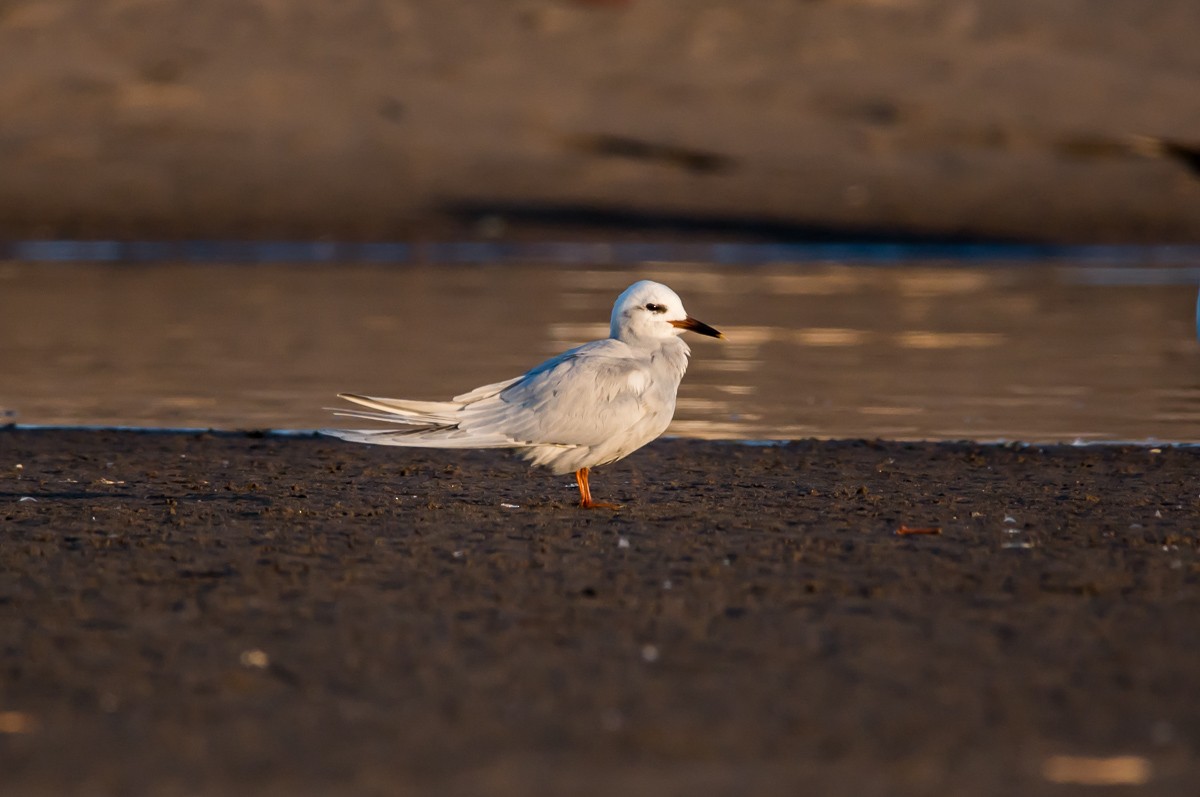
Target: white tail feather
440, 411
422, 438
387, 417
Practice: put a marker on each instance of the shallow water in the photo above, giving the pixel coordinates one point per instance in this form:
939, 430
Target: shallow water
922, 349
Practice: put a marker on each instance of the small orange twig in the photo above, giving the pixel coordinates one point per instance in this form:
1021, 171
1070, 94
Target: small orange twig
905, 530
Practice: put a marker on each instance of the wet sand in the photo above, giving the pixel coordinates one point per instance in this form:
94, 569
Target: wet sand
232, 614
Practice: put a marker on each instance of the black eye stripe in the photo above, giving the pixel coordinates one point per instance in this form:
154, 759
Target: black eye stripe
656, 308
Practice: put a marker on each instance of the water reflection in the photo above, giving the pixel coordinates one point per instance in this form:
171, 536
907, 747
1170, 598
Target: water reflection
920, 351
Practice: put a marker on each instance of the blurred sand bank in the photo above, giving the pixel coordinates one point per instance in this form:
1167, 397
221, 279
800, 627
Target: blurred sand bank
365, 119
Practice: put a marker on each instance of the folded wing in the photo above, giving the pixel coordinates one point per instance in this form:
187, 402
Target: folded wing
579, 398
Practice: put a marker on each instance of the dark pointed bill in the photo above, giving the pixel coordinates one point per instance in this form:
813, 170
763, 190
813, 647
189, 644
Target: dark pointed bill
699, 327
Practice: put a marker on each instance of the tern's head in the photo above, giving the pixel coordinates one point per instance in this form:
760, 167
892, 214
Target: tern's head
649, 310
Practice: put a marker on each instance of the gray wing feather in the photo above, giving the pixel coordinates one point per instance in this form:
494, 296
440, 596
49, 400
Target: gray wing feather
582, 397
485, 391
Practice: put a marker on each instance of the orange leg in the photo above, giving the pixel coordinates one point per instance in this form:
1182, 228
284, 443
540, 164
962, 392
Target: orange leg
585, 493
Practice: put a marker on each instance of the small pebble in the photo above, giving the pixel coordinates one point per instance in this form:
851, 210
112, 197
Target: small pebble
612, 721
16, 722
1121, 770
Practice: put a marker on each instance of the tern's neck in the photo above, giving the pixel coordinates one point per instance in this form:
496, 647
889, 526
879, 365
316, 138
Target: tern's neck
653, 343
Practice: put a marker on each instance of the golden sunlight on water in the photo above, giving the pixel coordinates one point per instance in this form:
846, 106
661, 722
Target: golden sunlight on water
1036, 353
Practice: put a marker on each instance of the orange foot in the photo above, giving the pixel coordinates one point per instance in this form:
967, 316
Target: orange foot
585, 493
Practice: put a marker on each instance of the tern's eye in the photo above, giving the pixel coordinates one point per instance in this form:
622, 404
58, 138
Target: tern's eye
656, 308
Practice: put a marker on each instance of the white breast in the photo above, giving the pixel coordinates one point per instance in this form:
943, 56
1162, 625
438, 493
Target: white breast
637, 381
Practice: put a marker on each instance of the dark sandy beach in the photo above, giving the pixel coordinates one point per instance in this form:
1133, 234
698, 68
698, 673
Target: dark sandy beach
232, 614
